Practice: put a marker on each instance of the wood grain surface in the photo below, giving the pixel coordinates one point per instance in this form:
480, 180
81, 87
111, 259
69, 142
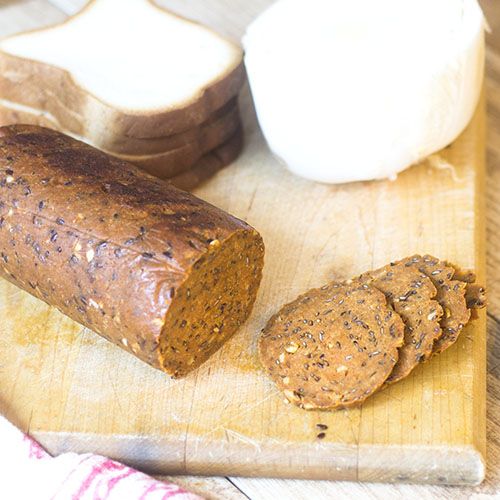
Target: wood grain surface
32, 13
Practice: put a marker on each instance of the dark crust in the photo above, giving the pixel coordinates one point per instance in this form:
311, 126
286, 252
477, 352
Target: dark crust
411, 293
223, 118
332, 347
183, 174
203, 137
210, 164
173, 162
99, 239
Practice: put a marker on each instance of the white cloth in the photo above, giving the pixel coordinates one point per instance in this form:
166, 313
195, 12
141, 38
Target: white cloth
28, 471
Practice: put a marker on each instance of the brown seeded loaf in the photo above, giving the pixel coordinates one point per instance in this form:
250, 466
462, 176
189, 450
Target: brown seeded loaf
155, 270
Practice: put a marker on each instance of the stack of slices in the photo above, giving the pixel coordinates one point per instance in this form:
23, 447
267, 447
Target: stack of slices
335, 346
133, 80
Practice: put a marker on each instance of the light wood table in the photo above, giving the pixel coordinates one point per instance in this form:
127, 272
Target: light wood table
26, 14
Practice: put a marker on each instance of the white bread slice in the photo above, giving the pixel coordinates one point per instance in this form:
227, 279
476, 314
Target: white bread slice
12, 113
207, 166
223, 118
212, 134
122, 68
217, 146
173, 162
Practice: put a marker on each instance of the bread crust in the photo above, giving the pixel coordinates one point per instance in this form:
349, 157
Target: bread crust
205, 136
12, 113
171, 163
212, 135
211, 163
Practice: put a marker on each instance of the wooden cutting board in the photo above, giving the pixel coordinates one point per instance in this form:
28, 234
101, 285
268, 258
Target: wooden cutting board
74, 391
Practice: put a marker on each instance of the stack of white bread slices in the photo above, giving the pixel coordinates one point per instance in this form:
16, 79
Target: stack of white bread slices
134, 80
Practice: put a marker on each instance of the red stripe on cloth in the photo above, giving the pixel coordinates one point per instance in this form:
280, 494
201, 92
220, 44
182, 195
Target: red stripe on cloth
94, 473
35, 450
115, 480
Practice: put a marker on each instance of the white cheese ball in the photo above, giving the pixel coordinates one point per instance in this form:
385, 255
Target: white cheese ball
351, 90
